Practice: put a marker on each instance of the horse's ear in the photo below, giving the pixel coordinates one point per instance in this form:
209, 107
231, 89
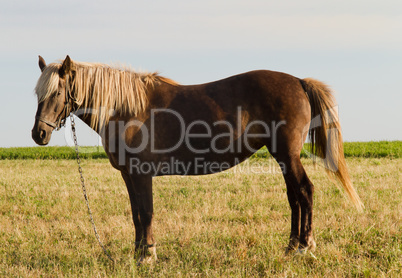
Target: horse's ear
66, 67
42, 63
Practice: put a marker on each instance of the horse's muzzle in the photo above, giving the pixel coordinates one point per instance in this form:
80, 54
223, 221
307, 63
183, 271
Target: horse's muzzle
41, 134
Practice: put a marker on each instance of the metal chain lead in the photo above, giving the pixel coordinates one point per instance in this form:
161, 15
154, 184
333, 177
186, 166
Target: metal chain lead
84, 189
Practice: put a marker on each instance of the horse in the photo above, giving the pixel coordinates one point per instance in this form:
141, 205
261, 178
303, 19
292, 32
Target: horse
153, 126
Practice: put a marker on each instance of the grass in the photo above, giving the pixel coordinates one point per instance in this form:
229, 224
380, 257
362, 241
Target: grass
389, 149
51, 153
234, 223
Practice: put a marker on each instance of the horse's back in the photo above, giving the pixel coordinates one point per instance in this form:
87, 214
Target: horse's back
264, 95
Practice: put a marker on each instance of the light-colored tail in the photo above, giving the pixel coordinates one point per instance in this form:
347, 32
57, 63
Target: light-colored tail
325, 135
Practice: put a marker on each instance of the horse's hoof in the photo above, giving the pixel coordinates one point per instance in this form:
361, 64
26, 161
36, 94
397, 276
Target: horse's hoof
293, 244
305, 252
290, 250
301, 251
148, 259
145, 260
311, 245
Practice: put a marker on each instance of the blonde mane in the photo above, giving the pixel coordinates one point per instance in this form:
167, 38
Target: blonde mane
101, 89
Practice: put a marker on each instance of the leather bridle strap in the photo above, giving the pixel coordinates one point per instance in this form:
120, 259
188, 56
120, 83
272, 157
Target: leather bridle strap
46, 122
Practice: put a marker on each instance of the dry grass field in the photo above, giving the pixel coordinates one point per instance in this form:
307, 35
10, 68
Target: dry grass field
232, 224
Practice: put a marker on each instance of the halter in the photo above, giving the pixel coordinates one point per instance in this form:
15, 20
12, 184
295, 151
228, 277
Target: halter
68, 108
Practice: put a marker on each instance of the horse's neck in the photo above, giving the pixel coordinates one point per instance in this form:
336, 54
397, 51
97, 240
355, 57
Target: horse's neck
159, 96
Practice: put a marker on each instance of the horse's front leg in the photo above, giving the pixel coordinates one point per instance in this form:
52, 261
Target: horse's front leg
140, 192
134, 210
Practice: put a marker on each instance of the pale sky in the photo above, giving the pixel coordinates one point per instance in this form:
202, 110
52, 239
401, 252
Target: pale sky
354, 46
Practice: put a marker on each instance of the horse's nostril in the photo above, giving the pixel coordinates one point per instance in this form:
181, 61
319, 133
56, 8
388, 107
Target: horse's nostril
42, 134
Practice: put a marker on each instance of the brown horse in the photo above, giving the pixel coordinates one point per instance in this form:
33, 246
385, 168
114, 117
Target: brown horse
152, 126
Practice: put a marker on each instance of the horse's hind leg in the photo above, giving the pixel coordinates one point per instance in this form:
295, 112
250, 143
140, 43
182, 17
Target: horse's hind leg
300, 195
295, 219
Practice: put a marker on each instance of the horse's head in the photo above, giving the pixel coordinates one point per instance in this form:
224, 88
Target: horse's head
54, 99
